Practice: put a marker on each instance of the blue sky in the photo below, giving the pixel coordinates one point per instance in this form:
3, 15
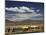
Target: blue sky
18, 11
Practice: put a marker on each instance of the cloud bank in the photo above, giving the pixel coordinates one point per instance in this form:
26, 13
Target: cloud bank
24, 16
20, 9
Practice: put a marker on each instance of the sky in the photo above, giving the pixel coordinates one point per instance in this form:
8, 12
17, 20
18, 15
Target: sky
19, 11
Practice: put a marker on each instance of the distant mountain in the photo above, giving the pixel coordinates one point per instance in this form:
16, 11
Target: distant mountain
7, 21
24, 22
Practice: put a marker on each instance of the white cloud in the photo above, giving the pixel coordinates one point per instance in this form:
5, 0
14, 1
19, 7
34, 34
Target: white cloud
38, 10
20, 9
12, 9
24, 8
